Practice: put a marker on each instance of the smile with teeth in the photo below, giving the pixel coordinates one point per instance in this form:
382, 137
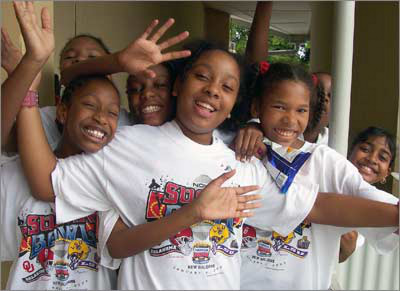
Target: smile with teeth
367, 169
151, 109
96, 133
205, 106
284, 132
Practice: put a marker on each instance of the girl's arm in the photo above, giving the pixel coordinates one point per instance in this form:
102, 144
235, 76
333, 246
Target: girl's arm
349, 211
257, 43
39, 43
138, 56
215, 202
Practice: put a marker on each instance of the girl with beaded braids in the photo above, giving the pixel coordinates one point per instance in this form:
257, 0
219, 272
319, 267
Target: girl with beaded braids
283, 100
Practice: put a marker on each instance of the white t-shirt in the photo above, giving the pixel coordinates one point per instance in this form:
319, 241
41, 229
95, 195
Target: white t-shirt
306, 258
147, 172
46, 256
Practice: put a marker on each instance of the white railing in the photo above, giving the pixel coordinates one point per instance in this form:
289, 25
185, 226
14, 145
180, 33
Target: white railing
366, 270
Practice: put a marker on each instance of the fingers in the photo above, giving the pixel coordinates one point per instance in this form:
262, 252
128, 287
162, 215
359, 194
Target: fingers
149, 73
5, 37
174, 40
221, 179
245, 189
245, 146
248, 198
160, 32
238, 144
149, 29
46, 20
252, 149
261, 149
175, 55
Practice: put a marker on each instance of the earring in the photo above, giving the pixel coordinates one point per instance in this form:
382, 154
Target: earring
229, 116
383, 181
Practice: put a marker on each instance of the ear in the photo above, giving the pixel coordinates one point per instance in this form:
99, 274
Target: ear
254, 109
62, 113
177, 86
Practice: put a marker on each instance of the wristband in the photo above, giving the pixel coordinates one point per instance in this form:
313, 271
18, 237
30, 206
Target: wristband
31, 99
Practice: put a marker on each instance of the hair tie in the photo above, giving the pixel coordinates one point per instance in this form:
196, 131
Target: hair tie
314, 79
263, 68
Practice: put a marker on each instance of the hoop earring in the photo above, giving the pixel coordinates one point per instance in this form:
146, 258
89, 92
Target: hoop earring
383, 181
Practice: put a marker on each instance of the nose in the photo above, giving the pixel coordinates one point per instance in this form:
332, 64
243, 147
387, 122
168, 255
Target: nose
288, 118
373, 157
212, 89
147, 93
100, 117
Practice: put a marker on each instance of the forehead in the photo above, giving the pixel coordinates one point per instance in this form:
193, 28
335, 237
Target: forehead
83, 42
160, 70
99, 88
296, 92
221, 60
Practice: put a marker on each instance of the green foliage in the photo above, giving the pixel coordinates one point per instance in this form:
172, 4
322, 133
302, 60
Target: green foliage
239, 36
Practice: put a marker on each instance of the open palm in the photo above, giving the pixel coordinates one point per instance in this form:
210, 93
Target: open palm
39, 39
217, 202
144, 52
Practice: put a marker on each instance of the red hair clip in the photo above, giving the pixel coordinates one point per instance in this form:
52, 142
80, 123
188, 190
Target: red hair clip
264, 66
314, 79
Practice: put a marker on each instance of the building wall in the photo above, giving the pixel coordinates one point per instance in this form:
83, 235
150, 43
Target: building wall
119, 23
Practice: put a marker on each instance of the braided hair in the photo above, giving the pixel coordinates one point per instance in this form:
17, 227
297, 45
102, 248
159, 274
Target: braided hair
77, 83
278, 72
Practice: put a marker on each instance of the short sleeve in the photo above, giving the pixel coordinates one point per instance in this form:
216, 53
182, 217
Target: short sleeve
80, 186
283, 212
107, 220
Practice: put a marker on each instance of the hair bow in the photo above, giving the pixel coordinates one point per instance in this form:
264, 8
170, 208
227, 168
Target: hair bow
314, 79
264, 66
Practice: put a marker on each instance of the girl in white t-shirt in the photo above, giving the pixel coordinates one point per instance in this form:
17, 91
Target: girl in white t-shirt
77, 49
147, 174
373, 153
306, 257
48, 255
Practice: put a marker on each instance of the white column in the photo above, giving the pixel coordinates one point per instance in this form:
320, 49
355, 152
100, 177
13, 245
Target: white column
341, 74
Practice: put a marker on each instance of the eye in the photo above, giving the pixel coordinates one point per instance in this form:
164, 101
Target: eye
302, 110
134, 90
201, 76
161, 85
89, 105
364, 149
68, 57
114, 114
384, 158
278, 107
228, 88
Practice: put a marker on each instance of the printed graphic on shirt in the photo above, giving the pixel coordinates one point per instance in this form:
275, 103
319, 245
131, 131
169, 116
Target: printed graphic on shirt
271, 250
195, 247
57, 252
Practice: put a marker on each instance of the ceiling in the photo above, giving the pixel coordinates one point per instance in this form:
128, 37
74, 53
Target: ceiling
288, 17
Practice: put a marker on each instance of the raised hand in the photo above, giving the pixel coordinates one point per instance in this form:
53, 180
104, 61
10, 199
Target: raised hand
39, 39
10, 54
144, 52
216, 202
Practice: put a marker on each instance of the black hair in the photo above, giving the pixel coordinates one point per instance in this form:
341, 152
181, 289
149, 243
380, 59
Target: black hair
77, 83
278, 72
198, 48
99, 41
171, 68
373, 131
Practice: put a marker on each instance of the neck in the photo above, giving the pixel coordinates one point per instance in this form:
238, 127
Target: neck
311, 136
201, 138
65, 149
